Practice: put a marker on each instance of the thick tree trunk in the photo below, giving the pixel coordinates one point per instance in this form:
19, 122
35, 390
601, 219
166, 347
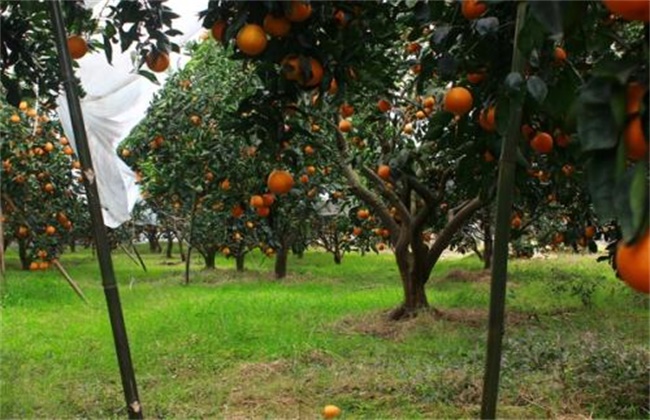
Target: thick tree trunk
281, 262
240, 262
209, 257
413, 279
338, 257
152, 236
22, 253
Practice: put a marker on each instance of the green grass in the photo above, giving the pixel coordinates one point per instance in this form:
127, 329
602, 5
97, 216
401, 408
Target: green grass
243, 345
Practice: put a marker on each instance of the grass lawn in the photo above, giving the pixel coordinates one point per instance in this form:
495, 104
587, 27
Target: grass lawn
243, 345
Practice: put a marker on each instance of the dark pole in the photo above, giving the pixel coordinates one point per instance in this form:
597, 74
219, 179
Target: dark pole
505, 190
99, 230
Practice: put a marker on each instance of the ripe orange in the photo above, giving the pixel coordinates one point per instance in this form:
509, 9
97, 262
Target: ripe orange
23, 105
629, 9
50, 230
568, 169
48, 188
590, 231
420, 115
48, 146
527, 131
558, 238
363, 214
356, 231
345, 126
14, 118
225, 185
559, 55
237, 211
251, 39
636, 145
263, 211
429, 102
277, 26
298, 11
33, 266
487, 119
43, 265
290, 68
22, 232
473, 9
225, 251
280, 181
64, 141
413, 48
77, 47
562, 140
488, 156
383, 105
157, 61
515, 223
476, 77
634, 96
346, 110
458, 101
269, 199
218, 30
384, 172
316, 73
126, 153
408, 128
334, 87
257, 201
542, 143
304, 178
633, 263
311, 170
340, 18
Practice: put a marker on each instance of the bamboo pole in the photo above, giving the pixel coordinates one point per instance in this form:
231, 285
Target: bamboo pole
70, 281
505, 190
109, 284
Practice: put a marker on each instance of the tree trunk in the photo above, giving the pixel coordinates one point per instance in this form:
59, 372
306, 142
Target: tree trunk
487, 245
170, 244
281, 263
240, 261
337, 257
22, 253
209, 256
180, 249
413, 279
152, 236
73, 245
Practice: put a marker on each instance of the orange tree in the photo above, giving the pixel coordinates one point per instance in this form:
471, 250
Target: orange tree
353, 52
40, 188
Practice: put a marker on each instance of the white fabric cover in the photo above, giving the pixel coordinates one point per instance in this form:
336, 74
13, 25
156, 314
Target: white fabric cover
116, 100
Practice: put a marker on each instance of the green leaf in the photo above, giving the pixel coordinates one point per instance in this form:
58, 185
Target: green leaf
597, 127
150, 76
639, 197
487, 25
623, 204
537, 88
601, 182
531, 36
514, 81
549, 14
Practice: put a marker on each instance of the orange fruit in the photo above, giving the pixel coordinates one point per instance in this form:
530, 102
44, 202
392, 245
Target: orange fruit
384, 172
298, 11
48, 188
269, 199
634, 96
408, 128
43, 265
48, 146
590, 231
487, 119
237, 211
225, 185
527, 131
77, 46
257, 201
636, 145
340, 18
334, 87
225, 251
309, 150
542, 143
629, 9
568, 169
458, 101
633, 263
277, 26
345, 126
50, 230
280, 181
383, 105
559, 55
263, 211
316, 73
413, 48
22, 232
251, 39
420, 115
562, 140
311, 170
64, 141
515, 223
157, 61
15, 118
558, 238
218, 30
476, 77
356, 231
472, 9
346, 110
23, 105
290, 68
33, 266
363, 214
488, 156
429, 102
304, 179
